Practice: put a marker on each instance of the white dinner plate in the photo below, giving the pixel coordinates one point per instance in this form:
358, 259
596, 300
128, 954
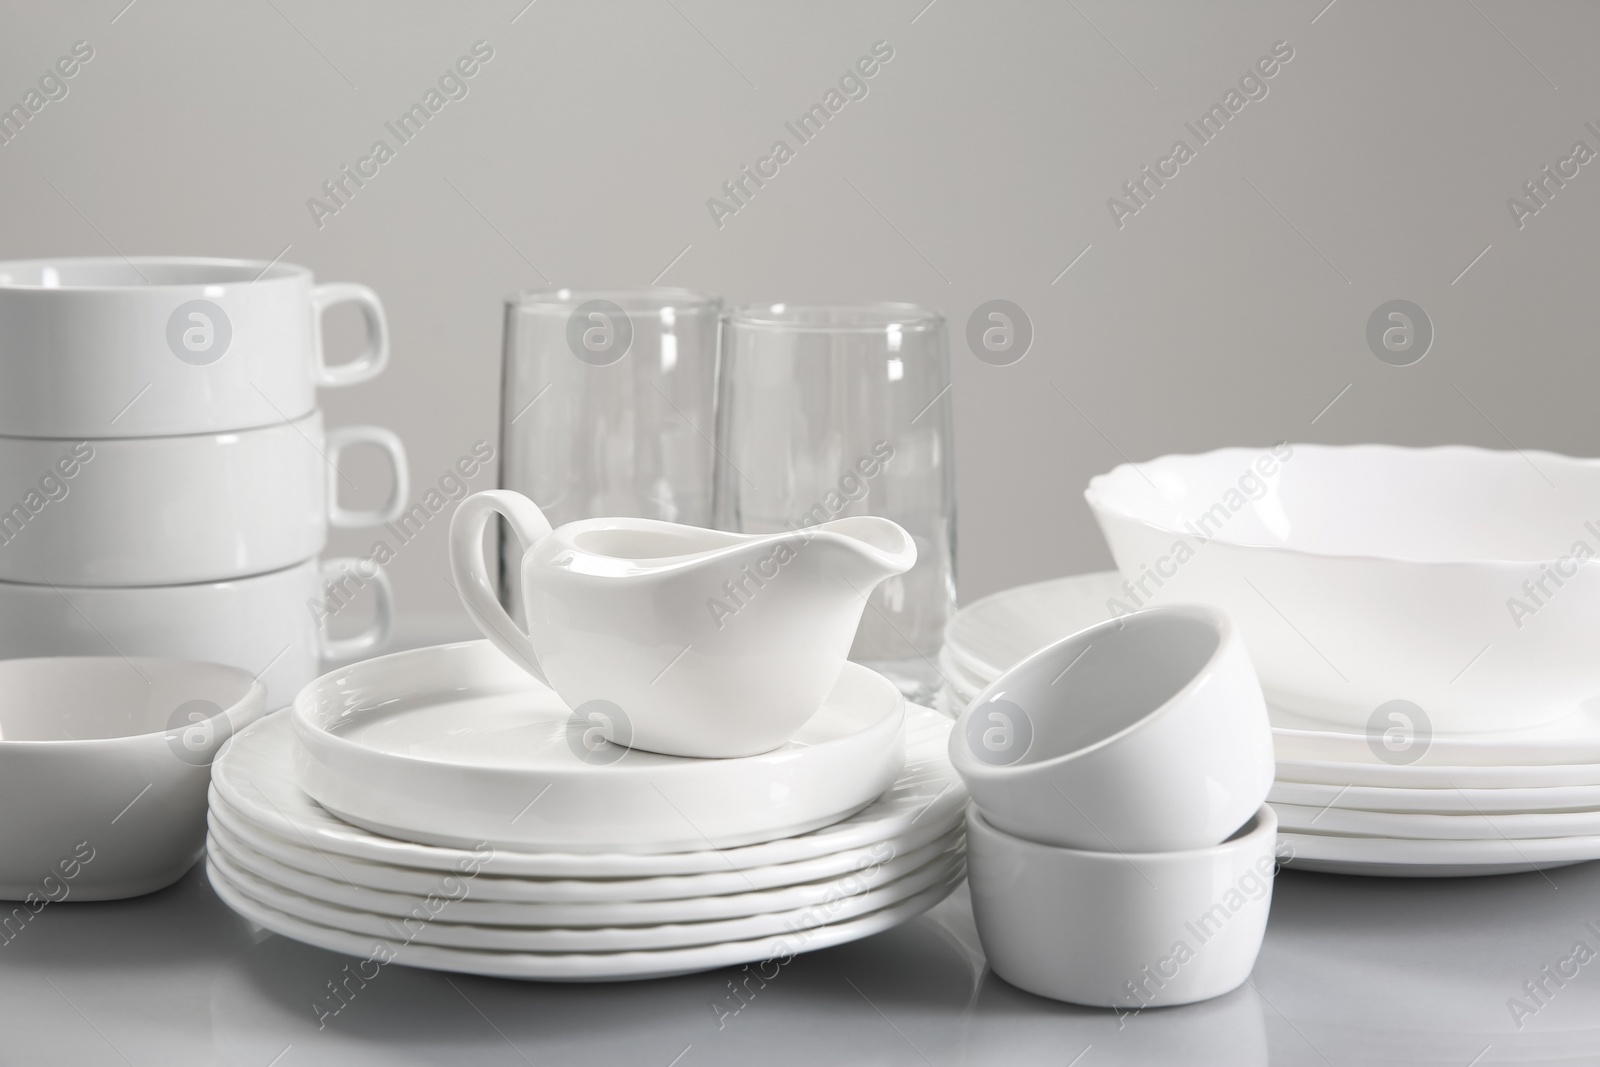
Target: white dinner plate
1390, 857
1574, 739
1415, 826
229, 825
1412, 776
444, 932
1440, 801
256, 780
468, 909
987, 637
581, 967
456, 745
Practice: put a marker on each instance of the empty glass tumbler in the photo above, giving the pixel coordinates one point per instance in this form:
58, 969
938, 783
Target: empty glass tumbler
607, 406
829, 411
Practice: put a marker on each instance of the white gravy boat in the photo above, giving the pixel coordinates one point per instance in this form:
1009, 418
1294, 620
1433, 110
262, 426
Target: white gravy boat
700, 642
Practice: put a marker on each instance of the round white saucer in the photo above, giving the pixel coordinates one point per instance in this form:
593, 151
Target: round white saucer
456, 745
254, 777
584, 967
446, 932
1391, 857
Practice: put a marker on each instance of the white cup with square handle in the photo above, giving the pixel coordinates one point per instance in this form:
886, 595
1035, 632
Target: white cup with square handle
162, 345
169, 510
272, 625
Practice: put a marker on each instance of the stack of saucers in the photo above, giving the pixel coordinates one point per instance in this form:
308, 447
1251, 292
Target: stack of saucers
441, 808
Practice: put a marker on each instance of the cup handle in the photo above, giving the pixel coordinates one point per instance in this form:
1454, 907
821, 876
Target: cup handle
370, 363
471, 571
373, 637
341, 438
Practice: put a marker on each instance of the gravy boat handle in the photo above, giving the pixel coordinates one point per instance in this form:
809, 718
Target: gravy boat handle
471, 571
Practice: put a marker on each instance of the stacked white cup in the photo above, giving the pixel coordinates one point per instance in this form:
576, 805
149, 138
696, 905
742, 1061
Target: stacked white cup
166, 482
1119, 848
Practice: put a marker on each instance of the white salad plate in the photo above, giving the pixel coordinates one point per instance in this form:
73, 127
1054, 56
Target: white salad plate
989, 636
470, 909
445, 933
815, 930
1439, 801
254, 779
1572, 739
227, 826
1399, 858
456, 745
1412, 776
1419, 826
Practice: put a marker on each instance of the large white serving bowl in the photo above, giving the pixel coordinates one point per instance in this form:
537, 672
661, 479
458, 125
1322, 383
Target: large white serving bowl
457, 745
104, 763
1460, 579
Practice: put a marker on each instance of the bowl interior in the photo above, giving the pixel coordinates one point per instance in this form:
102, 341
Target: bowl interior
1434, 504
1095, 684
71, 698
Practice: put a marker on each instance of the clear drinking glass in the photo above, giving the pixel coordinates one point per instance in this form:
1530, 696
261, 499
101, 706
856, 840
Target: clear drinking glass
827, 411
607, 406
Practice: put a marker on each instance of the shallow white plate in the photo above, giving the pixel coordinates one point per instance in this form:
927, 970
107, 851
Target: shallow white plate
445, 932
1415, 826
990, 636
1412, 776
584, 913
1441, 801
254, 776
581, 967
1572, 740
456, 745
227, 825
1389, 857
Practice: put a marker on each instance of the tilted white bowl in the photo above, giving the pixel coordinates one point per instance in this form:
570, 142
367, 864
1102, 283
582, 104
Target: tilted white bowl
1459, 579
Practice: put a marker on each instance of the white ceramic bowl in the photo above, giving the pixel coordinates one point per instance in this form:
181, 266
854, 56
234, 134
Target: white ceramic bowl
457, 745
175, 510
1459, 579
104, 763
1109, 929
148, 346
1141, 734
262, 624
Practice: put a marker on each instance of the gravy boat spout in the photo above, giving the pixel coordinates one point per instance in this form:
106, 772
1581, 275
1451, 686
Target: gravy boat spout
677, 639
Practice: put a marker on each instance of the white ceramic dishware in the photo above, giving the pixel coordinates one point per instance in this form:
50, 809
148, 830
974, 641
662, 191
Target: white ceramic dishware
1432, 826
466, 907
178, 510
992, 634
1122, 930
776, 950
690, 642
1454, 578
254, 779
1413, 776
1574, 738
104, 763
1444, 800
448, 931
228, 826
148, 346
1141, 734
262, 624
456, 744
1385, 857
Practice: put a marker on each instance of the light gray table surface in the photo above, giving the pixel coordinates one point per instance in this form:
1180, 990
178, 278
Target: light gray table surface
1354, 971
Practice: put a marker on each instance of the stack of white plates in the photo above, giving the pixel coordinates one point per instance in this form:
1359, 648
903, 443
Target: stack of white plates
513, 910
1470, 804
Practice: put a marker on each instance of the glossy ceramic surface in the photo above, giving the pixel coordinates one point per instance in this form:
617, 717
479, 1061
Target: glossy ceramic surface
690, 642
1444, 800
178, 510
1109, 929
1455, 578
255, 779
1400, 858
1142, 734
455, 744
259, 624
1421, 826
148, 346
103, 769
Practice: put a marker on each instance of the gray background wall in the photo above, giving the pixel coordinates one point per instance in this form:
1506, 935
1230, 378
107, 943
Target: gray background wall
1230, 309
